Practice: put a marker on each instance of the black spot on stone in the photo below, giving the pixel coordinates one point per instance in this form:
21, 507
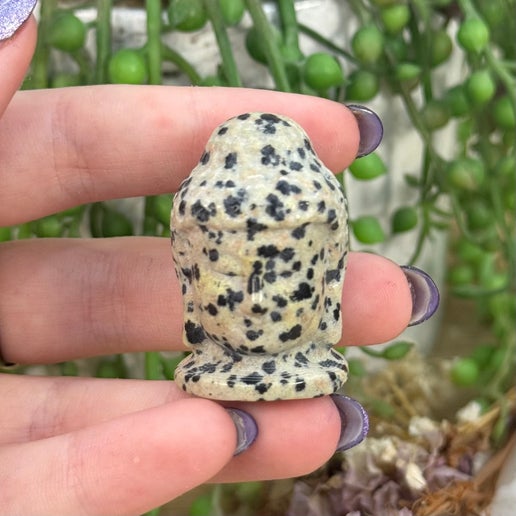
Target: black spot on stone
226, 368
269, 277
280, 301
259, 350
243, 116
269, 367
182, 207
275, 316
253, 227
299, 232
262, 387
258, 309
267, 122
231, 160
253, 334
275, 208
287, 188
332, 275
296, 266
303, 291
201, 212
300, 385
269, 117
231, 298
255, 283
308, 145
328, 363
269, 156
268, 251
212, 309
222, 131
295, 165
330, 184
292, 334
303, 205
213, 255
301, 152
317, 185
252, 379
301, 358
205, 158
287, 254
187, 273
309, 273
208, 368
314, 167
233, 205
231, 380
194, 332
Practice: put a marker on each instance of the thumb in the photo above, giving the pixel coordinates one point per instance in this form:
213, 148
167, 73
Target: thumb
17, 42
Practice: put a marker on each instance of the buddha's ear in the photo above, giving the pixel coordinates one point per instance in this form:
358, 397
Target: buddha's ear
185, 271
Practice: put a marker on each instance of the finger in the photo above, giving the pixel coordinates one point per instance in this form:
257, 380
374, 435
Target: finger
94, 143
127, 465
69, 298
15, 56
46, 407
295, 438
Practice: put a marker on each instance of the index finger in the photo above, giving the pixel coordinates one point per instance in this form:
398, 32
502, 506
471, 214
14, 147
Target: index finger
62, 148
15, 56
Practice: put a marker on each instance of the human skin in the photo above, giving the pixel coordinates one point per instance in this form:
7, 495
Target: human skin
92, 446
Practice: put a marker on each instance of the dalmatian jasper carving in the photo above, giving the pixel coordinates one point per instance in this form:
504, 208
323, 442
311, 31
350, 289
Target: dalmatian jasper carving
259, 239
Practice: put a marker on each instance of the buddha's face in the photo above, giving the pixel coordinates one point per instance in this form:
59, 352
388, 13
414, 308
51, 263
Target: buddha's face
267, 298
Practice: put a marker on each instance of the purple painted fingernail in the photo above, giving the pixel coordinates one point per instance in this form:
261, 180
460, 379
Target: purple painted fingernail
425, 294
12, 15
370, 127
247, 429
355, 422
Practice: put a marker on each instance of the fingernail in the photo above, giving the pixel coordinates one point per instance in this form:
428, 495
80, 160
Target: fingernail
247, 429
425, 294
370, 127
355, 422
12, 15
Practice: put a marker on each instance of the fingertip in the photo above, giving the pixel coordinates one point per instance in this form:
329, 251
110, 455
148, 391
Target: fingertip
295, 438
377, 302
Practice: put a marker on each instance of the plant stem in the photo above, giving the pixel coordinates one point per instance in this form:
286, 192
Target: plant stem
287, 12
153, 45
326, 42
103, 40
153, 369
168, 54
82, 58
42, 53
272, 50
225, 49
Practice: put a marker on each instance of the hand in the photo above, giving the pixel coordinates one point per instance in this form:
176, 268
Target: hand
92, 446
